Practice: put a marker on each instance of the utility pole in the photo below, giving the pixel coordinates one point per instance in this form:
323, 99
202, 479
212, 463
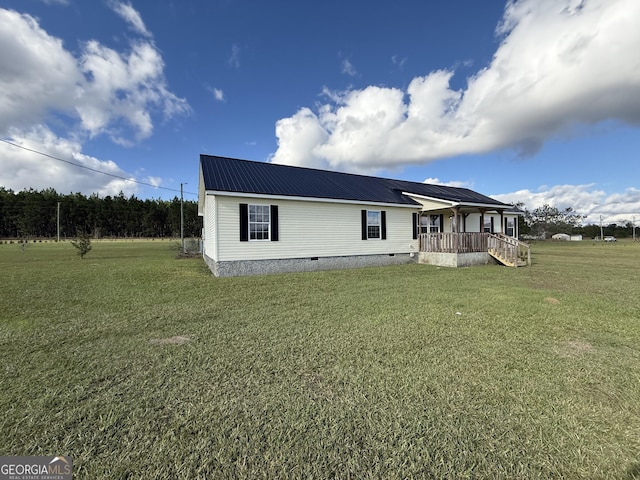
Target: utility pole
181, 219
601, 232
58, 221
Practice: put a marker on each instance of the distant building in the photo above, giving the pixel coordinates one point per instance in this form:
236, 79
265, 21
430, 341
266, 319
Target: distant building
561, 236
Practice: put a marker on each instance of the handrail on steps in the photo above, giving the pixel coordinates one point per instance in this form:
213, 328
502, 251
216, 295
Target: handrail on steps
509, 250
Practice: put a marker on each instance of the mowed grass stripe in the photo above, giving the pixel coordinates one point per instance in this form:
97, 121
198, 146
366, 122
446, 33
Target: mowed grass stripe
141, 365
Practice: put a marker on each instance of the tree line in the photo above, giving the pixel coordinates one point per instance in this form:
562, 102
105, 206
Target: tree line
37, 214
547, 220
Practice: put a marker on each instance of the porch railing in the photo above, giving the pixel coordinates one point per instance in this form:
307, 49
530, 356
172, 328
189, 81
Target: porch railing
508, 250
446, 242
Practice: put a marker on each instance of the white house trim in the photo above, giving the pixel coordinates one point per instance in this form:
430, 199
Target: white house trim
309, 199
451, 203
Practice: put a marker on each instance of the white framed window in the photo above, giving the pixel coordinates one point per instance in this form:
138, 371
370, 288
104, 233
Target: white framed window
424, 224
259, 222
510, 229
434, 224
374, 224
488, 224
430, 224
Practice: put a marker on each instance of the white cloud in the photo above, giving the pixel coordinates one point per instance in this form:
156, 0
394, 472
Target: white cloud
398, 61
585, 199
328, 140
300, 133
131, 16
101, 88
218, 94
234, 59
347, 68
100, 91
23, 168
560, 64
124, 87
453, 183
37, 74
155, 181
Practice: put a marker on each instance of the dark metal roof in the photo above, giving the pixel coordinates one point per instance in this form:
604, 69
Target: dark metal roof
245, 176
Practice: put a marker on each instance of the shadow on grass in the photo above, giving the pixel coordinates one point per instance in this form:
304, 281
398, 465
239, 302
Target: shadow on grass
633, 472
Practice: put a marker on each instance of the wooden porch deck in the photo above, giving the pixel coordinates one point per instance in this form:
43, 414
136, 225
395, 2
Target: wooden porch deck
507, 250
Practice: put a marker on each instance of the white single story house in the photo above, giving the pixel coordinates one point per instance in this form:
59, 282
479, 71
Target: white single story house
261, 218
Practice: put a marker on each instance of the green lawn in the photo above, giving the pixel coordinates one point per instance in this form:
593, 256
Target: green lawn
141, 365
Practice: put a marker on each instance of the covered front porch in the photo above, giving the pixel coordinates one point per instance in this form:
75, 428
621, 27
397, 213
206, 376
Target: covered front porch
463, 249
468, 229
463, 234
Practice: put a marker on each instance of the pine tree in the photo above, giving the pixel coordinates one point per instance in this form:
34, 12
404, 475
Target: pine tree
82, 244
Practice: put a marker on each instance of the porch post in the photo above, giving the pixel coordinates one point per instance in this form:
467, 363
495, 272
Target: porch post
502, 229
454, 228
454, 220
482, 210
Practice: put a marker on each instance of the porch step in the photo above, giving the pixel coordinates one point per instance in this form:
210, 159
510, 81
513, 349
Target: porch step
518, 263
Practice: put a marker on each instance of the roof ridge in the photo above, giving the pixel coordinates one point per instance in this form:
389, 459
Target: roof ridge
336, 172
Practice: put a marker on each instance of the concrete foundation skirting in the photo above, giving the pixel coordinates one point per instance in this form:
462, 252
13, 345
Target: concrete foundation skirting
455, 259
265, 267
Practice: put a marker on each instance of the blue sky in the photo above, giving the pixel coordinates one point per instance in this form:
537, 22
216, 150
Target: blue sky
534, 101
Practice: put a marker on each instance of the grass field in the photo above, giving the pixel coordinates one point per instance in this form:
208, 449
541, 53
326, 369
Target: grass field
141, 365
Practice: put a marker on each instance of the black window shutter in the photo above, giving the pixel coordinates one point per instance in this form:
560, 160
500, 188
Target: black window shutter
415, 225
274, 223
441, 223
383, 225
244, 222
492, 228
364, 224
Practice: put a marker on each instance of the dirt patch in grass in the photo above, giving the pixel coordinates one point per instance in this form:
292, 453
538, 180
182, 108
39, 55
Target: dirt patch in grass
552, 301
177, 340
575, 348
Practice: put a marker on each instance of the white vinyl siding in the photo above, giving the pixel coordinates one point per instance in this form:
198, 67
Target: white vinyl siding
428, 205
473, 222
312, 229
209, 244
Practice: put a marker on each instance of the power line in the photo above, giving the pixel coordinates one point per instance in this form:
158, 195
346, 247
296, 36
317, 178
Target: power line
92, 169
